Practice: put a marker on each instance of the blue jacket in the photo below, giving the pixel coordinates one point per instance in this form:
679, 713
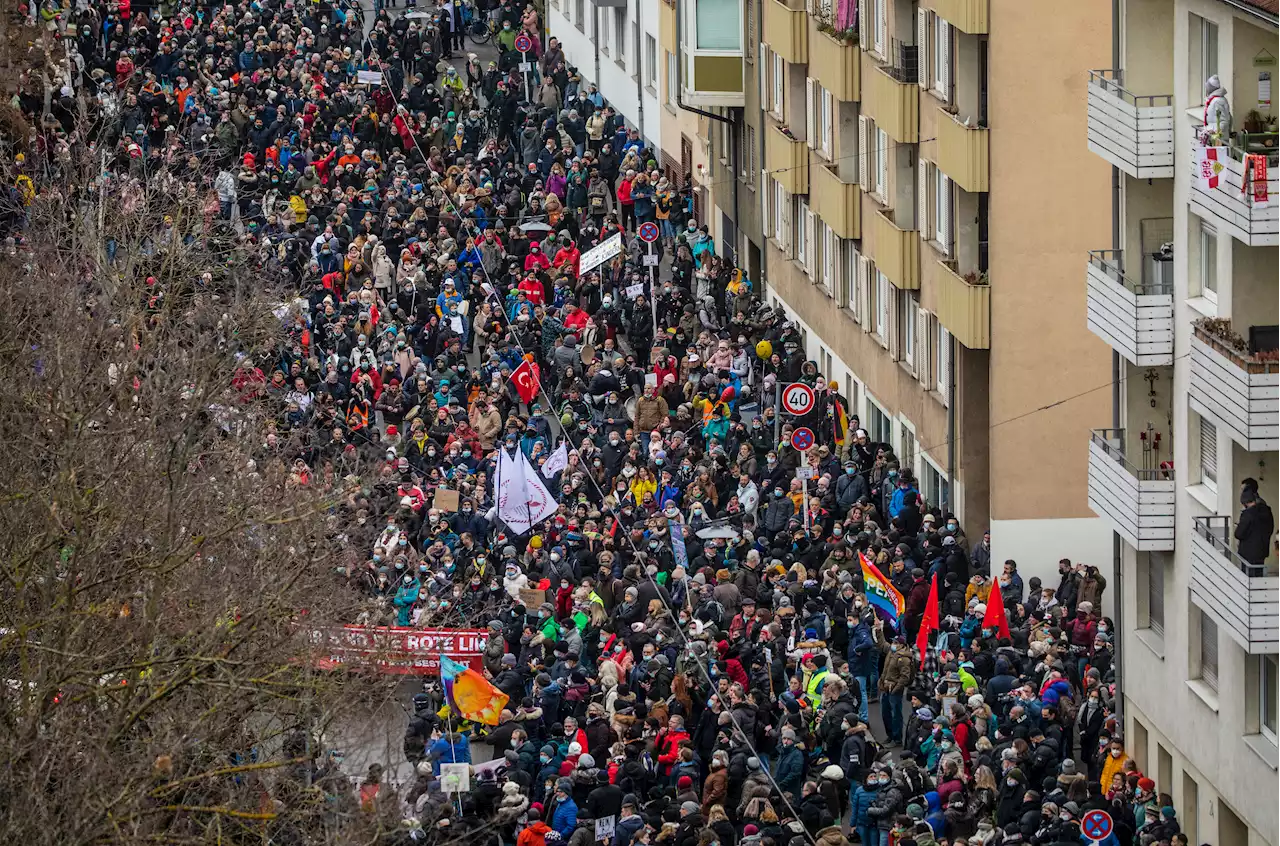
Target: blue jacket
565, 818
864, 657
896, 504
863, 796
790, 773
405, 596
444, 751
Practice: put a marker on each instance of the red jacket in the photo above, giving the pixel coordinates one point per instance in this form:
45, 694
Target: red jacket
568, 256
532, 287
662, 368
624, 193
669, 748
537, 259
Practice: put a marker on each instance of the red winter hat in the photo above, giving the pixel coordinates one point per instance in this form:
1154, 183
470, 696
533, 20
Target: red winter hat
1146, 784
391, 427
684, 782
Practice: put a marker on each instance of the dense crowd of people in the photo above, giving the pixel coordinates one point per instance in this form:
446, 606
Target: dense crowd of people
687, 645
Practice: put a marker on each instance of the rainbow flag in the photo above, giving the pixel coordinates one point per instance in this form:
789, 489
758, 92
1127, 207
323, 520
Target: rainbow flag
880, 592
470, 694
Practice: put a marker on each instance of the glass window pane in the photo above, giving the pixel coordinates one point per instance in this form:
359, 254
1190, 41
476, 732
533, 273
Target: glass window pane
719, 25
1267, 680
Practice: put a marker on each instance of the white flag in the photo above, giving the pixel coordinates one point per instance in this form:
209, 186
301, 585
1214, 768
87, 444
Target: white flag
556, 461
523, 501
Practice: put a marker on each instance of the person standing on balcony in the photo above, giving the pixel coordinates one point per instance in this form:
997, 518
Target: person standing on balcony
1254, 530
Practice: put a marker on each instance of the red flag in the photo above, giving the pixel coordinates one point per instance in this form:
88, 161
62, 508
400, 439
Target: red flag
930, 621
996, 616
526, 381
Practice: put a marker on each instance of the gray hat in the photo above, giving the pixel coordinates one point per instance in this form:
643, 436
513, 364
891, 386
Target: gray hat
509, 660
1068, 767
788, 733
586, 762
688, 807
564, 784
543, 679
700, 579
753, 764
630, 800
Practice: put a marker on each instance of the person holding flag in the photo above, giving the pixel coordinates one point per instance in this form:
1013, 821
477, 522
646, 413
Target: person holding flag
527, 379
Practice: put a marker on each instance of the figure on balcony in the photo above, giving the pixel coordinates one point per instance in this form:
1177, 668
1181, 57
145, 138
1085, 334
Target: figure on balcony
1254, 530
1217, 111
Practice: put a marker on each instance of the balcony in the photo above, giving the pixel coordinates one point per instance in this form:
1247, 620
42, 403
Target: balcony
1135, 320
892, 98
1221, 200
895, 252
962, 153
838, 203
787, 158
965, 15
1134, 133
1242, 599
834, 62
964, 307
1138, 503
786, 31
1237, 390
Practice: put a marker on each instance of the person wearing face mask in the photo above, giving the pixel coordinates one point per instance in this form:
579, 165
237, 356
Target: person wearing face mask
778, 512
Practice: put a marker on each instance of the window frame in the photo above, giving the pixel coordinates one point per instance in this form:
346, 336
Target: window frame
1209, 262
651, 61
1268, 686
1209, 657
1209, 473
907, 307
672, 75
777, 85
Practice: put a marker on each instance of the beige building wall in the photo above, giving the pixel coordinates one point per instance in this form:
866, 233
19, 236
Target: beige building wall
1050, 204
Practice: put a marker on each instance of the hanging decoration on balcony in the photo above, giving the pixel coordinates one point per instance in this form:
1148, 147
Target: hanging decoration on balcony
1209, 165
1254, 183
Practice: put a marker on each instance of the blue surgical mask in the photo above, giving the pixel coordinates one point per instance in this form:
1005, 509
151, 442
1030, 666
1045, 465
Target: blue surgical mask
849, 471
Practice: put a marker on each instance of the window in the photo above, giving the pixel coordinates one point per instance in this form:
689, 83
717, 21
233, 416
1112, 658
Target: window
1151, 592
907, 307
719, 25
882, 307
934, 486
879, 155
941, 82
1208, 652
802, 245
776, 99
671, 79
849, 286
1268, 678
943, 357
579, 13
603, 31
651, 60
1208, 49
748, 48
1208, 262
781, 215
879, 426
826, 122
620, 33
942, 210
748, 157
830, 259
907, 455
881, 19
763, 71
1208, 454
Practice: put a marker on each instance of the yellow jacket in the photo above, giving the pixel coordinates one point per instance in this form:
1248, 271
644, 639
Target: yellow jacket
1112, 766
639, 487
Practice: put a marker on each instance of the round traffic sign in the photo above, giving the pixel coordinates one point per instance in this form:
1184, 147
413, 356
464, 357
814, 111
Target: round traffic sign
802, 439
797, 399
1096, 825
523, 43
648, 232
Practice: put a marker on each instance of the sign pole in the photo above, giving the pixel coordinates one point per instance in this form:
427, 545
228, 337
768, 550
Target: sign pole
777, 409
524, 63
653, 290
804, 492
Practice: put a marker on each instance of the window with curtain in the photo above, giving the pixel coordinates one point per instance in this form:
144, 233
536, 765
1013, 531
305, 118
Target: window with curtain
719, 24
1208, 651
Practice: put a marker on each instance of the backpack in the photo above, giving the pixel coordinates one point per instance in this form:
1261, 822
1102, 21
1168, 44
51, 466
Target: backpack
953, 604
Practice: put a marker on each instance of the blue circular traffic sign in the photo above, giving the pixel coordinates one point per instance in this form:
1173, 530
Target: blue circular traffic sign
648, 232
523, 43
802, 439
1096, 825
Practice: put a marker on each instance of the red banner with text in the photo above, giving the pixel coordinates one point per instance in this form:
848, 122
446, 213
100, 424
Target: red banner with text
402, 651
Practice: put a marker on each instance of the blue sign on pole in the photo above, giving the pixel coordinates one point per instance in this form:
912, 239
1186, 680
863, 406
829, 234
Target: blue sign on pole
678, 551
1097, 825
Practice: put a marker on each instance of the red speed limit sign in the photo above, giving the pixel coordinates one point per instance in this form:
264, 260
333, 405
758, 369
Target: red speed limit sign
797, 399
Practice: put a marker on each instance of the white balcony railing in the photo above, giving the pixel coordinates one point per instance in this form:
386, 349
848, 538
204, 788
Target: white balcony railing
1133, 132
1135, 320
1239, 394
1138, 503
1227, 205
1242, 599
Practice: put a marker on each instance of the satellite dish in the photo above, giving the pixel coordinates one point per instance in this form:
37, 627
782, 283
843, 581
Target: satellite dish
723, 531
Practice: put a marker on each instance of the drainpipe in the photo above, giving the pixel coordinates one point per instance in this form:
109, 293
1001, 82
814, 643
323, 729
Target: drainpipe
640, 70
1117, 371
595, 42
949, 505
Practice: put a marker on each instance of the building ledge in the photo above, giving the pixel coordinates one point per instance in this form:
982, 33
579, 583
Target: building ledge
1203, 306
1265, 748
1204, 693
1152, 641
1205, 496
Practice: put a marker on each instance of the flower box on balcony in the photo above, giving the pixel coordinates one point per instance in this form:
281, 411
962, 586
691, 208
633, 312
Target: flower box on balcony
834, 60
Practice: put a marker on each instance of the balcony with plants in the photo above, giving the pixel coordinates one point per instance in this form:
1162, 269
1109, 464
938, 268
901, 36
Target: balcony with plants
1236, 382
964, 305
1234, 180
834, 57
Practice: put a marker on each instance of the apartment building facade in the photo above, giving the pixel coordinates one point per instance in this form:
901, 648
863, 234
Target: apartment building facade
615, 44
939, 291
1185, 293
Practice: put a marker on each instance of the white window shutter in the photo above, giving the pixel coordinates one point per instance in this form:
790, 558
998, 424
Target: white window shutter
922, 47
763, 63
786, 223
864, 293
895, 309
943, 71
944, 214
811, 240
810, 122
882, 308
864, 24
921, 353
863, 152
922, 200
765, 187
944, 364
882, 28
882, 164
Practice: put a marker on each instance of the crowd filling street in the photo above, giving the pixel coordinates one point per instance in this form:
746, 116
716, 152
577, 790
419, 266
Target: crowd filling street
706, 636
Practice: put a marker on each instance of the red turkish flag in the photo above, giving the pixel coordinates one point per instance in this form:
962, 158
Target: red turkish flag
526, 381
930, 621
996, 617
